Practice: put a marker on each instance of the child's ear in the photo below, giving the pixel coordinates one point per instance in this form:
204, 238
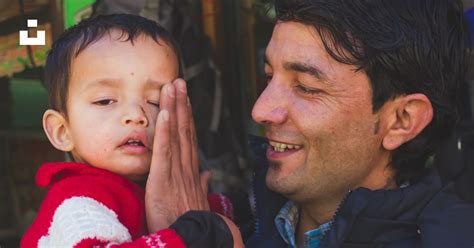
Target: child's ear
56, 128
409, 116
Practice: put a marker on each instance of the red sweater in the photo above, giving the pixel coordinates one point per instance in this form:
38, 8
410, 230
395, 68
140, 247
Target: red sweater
90, 207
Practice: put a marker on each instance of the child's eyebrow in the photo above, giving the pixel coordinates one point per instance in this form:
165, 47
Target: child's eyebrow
151, 84
117, 82
107, 82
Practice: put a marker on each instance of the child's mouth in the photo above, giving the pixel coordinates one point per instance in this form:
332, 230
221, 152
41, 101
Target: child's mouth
134, 147
134, 143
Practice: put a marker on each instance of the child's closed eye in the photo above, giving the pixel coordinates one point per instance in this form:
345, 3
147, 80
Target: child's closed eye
156, 104
104, 102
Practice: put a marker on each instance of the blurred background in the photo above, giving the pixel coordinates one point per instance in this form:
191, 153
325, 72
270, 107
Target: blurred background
223, 43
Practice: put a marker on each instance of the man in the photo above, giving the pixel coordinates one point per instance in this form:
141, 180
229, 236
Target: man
360, 93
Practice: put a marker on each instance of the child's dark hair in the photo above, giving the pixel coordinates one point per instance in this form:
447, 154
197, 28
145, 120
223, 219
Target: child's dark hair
74, 40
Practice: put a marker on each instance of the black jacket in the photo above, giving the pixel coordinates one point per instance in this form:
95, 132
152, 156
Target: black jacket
428, 213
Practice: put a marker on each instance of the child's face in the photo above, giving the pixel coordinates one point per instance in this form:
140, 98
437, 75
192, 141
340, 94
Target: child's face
113, 102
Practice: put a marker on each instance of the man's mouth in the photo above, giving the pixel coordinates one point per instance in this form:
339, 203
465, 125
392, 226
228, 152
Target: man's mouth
281, 147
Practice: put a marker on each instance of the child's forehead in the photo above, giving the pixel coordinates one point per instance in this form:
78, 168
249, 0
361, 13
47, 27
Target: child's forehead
114, 58
116, 42
120, 37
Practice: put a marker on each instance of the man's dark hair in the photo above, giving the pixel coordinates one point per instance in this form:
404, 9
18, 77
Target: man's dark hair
405, 47
77, 38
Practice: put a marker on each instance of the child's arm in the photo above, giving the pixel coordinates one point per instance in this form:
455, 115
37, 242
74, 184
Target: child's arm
193, 229
163, 238
82, 221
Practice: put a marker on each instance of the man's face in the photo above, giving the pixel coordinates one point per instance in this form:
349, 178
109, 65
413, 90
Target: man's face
113, 102
321, 111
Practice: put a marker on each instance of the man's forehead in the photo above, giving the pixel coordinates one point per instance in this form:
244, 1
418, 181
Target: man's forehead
296, 47
295, 41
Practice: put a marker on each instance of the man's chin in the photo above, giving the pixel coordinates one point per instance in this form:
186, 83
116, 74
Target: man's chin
277, 184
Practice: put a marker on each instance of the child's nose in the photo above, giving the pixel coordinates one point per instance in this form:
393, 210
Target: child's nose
135, 116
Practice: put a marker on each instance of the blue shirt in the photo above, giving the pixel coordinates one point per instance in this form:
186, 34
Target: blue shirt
286, 222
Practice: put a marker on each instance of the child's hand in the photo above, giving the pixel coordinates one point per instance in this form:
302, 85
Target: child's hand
174, 184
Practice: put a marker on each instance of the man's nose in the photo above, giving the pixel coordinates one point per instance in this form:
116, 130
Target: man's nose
270, 107
135, 115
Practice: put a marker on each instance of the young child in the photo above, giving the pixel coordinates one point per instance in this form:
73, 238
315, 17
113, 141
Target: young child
104, 78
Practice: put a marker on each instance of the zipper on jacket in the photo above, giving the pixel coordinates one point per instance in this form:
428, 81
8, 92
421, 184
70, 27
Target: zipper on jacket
253, 206
261, 143
331, 222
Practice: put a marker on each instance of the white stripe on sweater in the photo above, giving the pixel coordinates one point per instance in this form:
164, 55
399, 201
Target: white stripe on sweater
78, 218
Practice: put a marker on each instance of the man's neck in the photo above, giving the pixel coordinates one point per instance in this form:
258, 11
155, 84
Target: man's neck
312, 215
315, 213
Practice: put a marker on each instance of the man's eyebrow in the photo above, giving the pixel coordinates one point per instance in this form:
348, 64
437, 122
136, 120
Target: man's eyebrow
301, 67
306, 68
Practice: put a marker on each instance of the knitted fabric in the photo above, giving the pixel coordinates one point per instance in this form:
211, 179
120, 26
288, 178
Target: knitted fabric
91, 207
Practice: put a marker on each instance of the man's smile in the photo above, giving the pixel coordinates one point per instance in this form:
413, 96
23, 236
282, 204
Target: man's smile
281, 147
278, 150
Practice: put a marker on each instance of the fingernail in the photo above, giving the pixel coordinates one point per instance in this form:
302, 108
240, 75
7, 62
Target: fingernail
164, 115
189, 102
181, 86
170, 90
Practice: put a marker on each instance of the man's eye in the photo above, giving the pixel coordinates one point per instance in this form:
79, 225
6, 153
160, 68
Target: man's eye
154, 104
308, 91
104, 102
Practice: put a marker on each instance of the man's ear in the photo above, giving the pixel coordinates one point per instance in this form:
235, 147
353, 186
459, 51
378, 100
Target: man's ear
410, 115
56, 128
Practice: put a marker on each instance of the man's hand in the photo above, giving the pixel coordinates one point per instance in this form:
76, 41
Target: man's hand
174, 183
